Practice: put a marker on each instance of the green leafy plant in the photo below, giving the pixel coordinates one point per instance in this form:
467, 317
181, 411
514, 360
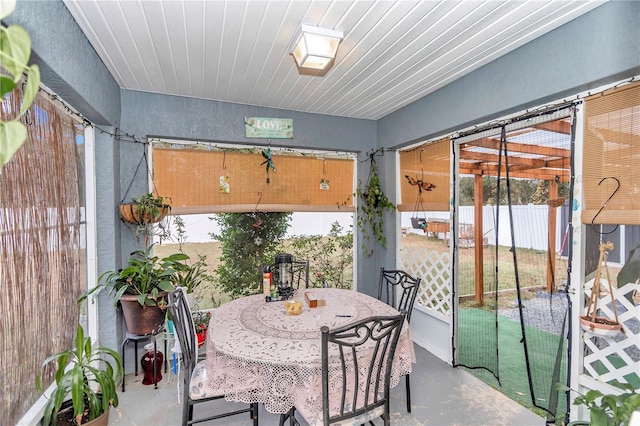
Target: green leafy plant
145, 211
87, 375
145, 275
371, 208
608, 409
15, 51
195, 273
248, 241
149, 205
201, 320
330, 256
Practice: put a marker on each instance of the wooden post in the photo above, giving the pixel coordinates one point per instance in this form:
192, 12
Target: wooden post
551, 257
478, 197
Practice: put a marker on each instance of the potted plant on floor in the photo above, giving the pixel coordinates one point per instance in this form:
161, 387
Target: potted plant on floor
607, 409
141, 288
89, 375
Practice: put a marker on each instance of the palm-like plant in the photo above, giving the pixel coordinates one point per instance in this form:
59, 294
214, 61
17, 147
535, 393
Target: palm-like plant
87, 375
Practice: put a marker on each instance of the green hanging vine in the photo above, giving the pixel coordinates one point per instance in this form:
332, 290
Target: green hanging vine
371, 208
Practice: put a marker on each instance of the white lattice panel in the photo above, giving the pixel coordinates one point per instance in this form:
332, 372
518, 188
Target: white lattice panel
435, 270
616, 357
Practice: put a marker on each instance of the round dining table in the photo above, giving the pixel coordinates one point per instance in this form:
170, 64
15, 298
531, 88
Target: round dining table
258, 353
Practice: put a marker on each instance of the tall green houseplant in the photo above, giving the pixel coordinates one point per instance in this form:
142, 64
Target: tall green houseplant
87, 376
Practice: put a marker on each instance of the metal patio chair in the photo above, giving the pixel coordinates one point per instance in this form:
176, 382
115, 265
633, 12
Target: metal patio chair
399, 289
196, 389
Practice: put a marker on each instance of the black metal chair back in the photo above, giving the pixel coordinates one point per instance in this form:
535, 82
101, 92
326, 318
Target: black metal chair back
356, 366
394, 283
185, 331
399, 289
300, 273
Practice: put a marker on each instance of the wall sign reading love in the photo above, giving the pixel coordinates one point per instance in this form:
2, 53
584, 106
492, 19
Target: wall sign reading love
268, 128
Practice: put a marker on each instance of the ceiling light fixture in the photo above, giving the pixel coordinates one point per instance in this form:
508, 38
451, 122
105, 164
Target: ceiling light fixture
315, 47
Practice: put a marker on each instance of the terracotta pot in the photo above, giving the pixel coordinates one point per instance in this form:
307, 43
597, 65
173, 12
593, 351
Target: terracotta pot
65, 416
131, 214
142, 320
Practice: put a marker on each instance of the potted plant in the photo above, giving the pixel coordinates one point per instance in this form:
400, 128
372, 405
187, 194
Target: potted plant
141, 288
607, 409
145, 210
86, 374
201, 323
192, 276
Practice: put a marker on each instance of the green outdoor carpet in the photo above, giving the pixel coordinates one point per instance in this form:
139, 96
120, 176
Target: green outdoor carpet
477, 330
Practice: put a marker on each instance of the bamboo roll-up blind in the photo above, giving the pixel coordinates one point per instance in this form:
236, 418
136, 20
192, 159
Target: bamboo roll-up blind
41, 260
612, 150
191, 179
429, 162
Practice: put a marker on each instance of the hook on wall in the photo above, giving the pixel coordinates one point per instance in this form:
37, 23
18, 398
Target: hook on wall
606, 203
258, 203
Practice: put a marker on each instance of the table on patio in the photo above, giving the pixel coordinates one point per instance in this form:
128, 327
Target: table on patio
278, 356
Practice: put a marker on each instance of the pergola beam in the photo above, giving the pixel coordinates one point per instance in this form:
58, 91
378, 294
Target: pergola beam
563, 175
515, 147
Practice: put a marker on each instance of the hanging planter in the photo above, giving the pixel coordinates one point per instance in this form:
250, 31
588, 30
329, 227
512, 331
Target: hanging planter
419, 223
592, 322
600, 326
372, 204
416, 221
144, 210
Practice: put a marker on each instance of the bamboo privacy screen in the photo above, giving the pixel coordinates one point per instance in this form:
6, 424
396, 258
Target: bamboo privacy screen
40, 250
612, 152
431, 163
191, 178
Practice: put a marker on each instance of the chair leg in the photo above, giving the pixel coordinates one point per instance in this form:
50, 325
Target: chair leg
254, 413
188, 412
408, 393
289, 415
292, 418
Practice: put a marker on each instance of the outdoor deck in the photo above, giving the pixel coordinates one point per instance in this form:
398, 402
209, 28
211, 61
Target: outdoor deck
441, 395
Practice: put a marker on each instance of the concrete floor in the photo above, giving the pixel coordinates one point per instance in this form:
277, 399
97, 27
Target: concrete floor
441, 395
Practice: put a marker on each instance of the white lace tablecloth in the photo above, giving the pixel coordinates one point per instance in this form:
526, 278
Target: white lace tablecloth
253, 344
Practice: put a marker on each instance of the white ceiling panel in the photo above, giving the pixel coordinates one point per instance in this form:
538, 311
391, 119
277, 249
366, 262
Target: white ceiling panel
393, 53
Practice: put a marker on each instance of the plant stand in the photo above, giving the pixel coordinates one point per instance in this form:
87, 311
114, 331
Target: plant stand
135, 338
590, 322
